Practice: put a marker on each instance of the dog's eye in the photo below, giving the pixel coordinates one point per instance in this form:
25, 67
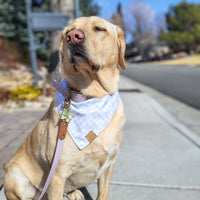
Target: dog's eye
97, 28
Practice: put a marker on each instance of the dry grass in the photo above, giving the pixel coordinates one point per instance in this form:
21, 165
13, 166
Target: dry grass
190, 60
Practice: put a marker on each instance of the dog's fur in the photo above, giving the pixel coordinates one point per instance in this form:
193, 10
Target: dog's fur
92, 69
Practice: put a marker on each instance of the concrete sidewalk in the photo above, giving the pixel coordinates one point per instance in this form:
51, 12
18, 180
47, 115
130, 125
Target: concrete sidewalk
159, 158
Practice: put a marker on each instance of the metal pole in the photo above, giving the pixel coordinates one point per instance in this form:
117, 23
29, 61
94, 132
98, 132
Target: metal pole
32, 48
78, 12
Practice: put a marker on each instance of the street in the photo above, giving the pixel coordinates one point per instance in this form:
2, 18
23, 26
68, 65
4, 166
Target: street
180, 82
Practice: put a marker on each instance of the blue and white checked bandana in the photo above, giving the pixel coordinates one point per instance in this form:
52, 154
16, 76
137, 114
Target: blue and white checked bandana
90, 115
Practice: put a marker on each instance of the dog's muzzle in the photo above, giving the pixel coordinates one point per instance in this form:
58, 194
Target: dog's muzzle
75, 40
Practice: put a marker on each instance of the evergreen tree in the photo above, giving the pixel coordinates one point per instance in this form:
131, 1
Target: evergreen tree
13, 23
183, 23
7, 27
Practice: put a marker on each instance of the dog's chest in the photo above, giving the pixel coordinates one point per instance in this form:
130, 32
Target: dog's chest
92, 165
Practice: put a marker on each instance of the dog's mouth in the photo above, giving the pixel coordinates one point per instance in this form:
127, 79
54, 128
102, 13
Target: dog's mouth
78, 56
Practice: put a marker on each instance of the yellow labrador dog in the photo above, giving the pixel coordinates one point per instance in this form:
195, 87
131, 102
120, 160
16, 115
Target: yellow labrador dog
91, 50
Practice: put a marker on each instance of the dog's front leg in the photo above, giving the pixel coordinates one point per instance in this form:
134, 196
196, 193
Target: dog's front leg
56, 188
103, 183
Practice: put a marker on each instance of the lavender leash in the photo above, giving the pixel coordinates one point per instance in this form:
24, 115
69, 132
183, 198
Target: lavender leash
59, 147
53, 167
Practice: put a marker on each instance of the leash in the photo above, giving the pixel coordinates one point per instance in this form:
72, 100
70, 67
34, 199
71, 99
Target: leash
65, 119
59, 147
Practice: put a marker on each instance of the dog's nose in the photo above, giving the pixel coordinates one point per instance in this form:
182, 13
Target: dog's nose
75, 37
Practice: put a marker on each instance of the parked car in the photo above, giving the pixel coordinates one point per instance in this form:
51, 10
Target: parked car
137, 59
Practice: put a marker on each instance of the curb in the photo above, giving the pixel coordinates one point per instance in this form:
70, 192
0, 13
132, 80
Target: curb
2, 194
169, 119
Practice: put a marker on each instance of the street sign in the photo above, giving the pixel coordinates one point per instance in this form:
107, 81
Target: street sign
48, 21
41, 22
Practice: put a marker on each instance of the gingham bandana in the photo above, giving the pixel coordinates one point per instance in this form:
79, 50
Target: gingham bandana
90, 115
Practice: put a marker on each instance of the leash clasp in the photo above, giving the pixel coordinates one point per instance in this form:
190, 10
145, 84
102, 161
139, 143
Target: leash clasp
66, 115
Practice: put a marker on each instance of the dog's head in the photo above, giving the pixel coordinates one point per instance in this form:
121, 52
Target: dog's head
91, 46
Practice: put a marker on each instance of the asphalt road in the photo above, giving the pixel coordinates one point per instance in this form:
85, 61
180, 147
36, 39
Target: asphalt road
179, 82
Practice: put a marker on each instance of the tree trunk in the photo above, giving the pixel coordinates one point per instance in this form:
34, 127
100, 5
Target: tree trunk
59, 6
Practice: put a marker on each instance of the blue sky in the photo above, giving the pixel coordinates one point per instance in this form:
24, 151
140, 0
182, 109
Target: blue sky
108, 7
159, 7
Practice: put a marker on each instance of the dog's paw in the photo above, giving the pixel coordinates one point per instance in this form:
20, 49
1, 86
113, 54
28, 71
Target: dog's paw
75, 195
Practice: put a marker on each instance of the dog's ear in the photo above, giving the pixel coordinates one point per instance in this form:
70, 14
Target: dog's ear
122, 48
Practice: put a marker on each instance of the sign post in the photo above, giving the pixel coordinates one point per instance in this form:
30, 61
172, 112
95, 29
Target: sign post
41, 22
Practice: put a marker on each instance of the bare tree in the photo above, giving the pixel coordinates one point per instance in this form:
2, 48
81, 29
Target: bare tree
161, 23
139, 23
139, 17
59, 6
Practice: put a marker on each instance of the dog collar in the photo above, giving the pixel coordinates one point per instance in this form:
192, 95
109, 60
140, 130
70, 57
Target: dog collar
74, 95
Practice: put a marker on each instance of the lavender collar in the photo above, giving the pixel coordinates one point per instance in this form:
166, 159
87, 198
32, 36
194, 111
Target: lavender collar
77, 97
